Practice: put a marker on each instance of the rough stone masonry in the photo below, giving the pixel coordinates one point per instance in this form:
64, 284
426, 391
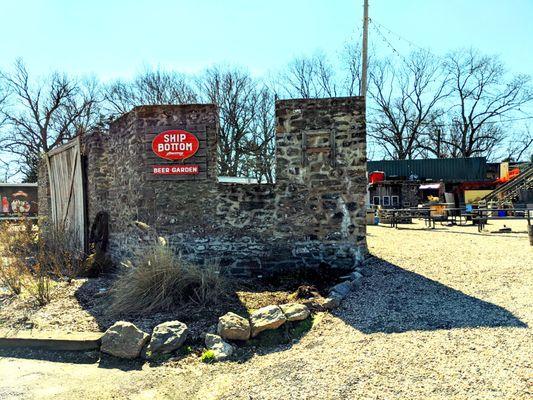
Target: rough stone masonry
313, 214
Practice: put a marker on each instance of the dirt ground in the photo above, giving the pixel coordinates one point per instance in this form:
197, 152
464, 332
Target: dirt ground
82, 305
445, 313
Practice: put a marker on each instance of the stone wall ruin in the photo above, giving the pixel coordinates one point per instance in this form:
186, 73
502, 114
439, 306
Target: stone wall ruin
313, 214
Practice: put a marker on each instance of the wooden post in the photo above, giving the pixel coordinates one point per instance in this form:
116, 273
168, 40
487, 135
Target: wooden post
529, 227
364, 67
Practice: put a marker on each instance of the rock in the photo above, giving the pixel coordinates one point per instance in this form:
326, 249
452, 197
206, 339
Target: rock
366, 272
210, 329
211, 340
354, 276
233, 327
142, 226
269, 317
123, 340
221, 349
332, 302
102, 292
167, 337
341, 289
295, 311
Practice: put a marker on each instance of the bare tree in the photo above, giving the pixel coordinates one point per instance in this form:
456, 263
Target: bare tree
5, 171
235, 93
260, 145
521, 147
405, 99
41, 116
351, 65
4, 165
309, 77
4, 93
483, 99
150, 87
316, 76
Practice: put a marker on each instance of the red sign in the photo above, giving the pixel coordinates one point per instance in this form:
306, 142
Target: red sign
175, 169
175, 145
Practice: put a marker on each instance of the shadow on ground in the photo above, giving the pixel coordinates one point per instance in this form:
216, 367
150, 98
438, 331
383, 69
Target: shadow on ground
393, 300
389, 300
73, 357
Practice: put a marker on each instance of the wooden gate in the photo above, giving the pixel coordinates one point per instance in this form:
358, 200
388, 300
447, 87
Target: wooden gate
67, 190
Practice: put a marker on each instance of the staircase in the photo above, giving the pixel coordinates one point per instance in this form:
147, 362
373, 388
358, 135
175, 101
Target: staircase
510, 191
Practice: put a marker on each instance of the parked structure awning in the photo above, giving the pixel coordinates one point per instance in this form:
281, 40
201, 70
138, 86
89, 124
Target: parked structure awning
430, 186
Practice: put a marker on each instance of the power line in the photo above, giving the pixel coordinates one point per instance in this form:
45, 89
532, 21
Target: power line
386, 41
409, 42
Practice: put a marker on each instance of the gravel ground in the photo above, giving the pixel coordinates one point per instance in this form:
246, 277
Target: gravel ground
445, 313
77, 307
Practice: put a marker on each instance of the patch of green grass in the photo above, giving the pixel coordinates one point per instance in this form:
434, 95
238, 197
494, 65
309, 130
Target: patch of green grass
184, 351
301, 328
208, 356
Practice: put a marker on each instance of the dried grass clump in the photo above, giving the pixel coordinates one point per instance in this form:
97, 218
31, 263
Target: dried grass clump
161, 280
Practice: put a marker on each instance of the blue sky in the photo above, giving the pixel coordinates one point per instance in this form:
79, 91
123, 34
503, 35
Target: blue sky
118, 38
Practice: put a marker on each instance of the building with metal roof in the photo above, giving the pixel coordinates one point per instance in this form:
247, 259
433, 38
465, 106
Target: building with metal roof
445, 169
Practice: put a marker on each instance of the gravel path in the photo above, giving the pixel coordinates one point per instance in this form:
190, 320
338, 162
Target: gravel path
445, 314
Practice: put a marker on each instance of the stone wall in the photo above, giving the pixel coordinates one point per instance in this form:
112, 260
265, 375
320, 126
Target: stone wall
313, 214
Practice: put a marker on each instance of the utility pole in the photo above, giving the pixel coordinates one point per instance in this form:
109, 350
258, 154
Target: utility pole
365, 51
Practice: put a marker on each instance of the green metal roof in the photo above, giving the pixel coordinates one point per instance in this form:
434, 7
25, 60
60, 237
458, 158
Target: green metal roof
447, 169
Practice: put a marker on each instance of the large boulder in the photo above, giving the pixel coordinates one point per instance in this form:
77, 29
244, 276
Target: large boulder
123, 340
269, 317
233, 327
221, 349
167, 337
295, 311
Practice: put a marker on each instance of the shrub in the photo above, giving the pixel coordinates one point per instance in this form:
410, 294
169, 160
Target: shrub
17, 244
208, 356
38, 285
10, 276
160, 280
59, 254
30, 261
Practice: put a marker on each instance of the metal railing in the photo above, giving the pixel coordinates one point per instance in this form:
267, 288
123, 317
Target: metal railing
510, 190
456, 215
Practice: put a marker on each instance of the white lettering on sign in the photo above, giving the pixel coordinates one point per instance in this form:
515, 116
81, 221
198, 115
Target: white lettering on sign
175, 169
174, 137
174, 146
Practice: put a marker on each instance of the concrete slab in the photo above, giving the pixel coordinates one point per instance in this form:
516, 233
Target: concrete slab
56, 341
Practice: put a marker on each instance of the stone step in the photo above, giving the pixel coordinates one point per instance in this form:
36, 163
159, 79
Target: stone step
55, 341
